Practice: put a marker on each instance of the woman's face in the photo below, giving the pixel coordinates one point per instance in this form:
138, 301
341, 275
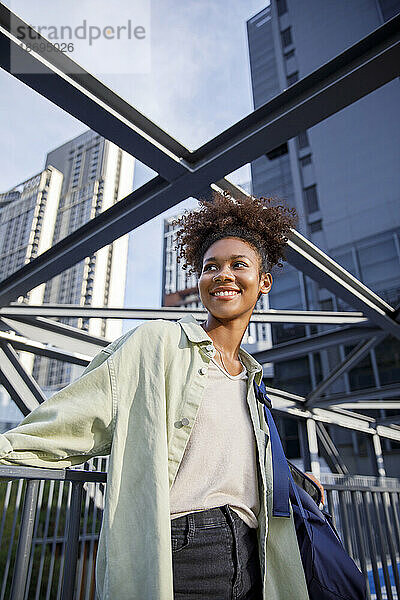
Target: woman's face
230, 281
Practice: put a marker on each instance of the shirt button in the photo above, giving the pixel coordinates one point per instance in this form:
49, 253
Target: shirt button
203, 370
181, 423
209, 348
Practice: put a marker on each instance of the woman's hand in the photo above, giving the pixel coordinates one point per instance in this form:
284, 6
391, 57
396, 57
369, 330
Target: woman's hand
319, 484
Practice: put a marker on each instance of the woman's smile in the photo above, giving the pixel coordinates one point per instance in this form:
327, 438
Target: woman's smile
225, 293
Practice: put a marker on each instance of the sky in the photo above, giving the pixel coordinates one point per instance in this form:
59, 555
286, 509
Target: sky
193, 81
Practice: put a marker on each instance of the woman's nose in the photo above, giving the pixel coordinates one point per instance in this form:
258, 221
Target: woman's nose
223, 275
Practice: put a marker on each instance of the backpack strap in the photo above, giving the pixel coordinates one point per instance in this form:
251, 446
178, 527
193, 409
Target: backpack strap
280, 468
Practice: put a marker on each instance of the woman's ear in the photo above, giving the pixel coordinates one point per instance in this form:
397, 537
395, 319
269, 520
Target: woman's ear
266, 283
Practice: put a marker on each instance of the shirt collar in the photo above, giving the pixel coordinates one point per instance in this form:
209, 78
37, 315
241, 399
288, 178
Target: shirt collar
196, 334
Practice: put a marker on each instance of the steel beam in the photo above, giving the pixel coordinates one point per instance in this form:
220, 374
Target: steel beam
353, 358
22, 388
62, 336
25, 345
334, 458
279, 396
293, 406
351, 421
361, 69
368, 398
314, 343
17, 310
372, 404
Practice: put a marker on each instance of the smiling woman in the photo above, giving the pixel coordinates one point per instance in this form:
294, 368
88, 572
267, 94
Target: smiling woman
187, 510
232, 244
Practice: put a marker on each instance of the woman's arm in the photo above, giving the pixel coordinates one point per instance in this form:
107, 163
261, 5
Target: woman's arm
69, 428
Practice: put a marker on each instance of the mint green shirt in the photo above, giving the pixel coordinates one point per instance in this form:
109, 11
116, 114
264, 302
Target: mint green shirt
129, 403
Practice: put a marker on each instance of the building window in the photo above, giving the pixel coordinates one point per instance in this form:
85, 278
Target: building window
302, 139
316, 226
311, 198
293, 78
289, 54
286, 36
276, 152
306, 160
282, 7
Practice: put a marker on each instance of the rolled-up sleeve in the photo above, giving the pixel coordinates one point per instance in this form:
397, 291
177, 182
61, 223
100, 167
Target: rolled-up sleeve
70, 427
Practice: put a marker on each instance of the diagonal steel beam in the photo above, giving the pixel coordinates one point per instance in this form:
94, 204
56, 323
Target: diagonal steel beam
353, 358
65, 337
279, 397
22, 388
313, 343
364, 67
337, 463
20, 343
17, 310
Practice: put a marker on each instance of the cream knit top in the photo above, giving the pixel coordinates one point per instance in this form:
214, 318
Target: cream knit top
219, 465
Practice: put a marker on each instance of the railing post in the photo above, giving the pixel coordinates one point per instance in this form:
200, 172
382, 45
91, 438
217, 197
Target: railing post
304, 449
24, 541
378, 455
313, 447
72, 543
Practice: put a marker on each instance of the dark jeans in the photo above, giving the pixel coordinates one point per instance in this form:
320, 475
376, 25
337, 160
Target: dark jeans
215, 557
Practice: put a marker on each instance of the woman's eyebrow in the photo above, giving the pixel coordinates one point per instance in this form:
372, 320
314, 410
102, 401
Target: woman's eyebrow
231, 257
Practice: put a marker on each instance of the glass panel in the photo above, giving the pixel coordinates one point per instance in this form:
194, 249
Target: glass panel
388, 358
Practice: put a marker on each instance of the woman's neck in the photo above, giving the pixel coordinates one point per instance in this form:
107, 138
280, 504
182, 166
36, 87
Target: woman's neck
227, 337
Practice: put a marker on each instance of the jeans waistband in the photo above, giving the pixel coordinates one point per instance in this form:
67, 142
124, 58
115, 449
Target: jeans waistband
211, 516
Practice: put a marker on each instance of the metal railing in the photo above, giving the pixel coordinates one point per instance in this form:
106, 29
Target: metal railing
48, 542
366, 513
50, 522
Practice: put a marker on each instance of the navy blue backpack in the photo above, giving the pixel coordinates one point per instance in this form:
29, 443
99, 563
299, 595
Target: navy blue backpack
329, 571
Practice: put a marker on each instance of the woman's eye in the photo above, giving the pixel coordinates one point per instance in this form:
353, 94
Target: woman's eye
240, 264
208, 267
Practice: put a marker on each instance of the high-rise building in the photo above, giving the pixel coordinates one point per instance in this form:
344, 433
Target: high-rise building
82, 178
342, 176
27, 217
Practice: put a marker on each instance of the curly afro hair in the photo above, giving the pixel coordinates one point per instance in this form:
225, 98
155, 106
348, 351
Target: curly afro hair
260, 222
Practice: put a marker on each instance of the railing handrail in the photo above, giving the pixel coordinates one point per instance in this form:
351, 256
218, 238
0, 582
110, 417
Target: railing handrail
354, 487
362, 483
39, 473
